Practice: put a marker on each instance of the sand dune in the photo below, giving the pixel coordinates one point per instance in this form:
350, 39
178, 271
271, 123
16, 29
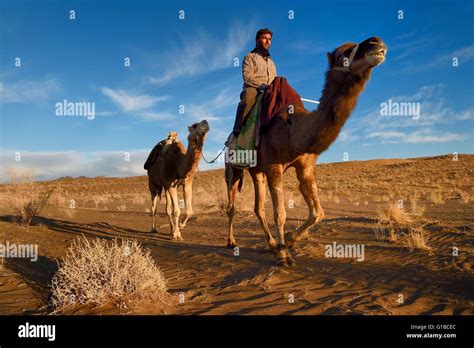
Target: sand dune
390, 280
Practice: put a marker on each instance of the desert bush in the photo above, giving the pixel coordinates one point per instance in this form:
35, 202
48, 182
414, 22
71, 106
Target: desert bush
25, 195
99, 272
436, 197
417, 238
464, 197
407, 227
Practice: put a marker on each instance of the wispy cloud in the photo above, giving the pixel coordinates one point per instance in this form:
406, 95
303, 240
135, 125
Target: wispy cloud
201, 53
28, 91
463, 54
215, 107
129, 102
157, 116
54, 164
435, 114
417, 137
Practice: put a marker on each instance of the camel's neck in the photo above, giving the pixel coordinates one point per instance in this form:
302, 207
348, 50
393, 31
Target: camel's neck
191, 159
337, 103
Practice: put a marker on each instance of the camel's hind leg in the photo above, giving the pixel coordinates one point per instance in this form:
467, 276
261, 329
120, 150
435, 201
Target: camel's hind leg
259, 184
233, 177
188, 200
309, 190
154, 206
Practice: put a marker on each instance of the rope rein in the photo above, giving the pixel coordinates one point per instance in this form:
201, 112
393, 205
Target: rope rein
220, 153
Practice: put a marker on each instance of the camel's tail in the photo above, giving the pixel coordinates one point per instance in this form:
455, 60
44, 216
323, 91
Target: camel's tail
241, 183
158, 192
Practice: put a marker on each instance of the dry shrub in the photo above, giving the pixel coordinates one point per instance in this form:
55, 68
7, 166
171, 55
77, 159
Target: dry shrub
407, 227
417, 238
25, 195
436, 197
416, 210
99, 272
464, 197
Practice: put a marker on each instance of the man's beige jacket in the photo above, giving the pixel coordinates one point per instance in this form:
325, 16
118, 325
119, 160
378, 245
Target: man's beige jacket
257, 70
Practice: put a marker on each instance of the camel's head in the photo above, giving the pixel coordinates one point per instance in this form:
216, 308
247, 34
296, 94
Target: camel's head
357, 59
197, 133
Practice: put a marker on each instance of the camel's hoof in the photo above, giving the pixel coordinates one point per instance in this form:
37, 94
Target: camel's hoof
231, 244
154, 230
320, 217
283, 257
287, 262
178, 237
290, 261
289, 239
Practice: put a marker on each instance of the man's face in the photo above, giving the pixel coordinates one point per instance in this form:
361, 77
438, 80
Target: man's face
265, 40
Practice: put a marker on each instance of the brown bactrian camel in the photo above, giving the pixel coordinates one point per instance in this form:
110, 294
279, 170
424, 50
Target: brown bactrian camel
177, 168
296, 140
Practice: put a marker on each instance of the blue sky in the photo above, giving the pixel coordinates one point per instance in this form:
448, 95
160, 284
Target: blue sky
190, 62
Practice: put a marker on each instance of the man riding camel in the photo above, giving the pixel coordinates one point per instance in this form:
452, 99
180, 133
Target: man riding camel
258, 72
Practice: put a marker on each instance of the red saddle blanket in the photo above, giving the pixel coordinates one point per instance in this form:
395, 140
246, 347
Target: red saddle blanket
278, 95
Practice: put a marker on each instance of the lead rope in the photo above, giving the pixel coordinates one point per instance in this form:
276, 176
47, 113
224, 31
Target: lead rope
219, 155
204, 158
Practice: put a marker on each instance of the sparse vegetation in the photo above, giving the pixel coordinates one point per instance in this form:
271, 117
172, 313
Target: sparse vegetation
396, 224
464, 197
97, 272
436, 197
25, 195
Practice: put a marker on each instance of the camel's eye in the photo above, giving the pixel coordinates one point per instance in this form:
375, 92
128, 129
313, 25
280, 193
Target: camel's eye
340, 56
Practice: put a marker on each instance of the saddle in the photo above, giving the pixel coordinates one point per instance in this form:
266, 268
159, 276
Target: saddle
160, 149
279, 99
241, 150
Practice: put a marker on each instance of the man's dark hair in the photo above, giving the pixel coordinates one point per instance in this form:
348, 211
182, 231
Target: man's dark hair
263, 31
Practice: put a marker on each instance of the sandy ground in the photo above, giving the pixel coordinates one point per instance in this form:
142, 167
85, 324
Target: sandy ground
213, 280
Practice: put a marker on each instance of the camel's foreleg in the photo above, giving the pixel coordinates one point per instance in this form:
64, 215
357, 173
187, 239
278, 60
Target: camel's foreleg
259, 184
188, 200
309, 190
173, 191
169, 210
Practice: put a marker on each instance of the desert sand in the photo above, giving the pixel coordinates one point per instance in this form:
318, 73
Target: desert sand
211, 279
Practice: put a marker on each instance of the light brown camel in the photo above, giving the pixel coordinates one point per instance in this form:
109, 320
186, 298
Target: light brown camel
177, 168
296, 140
